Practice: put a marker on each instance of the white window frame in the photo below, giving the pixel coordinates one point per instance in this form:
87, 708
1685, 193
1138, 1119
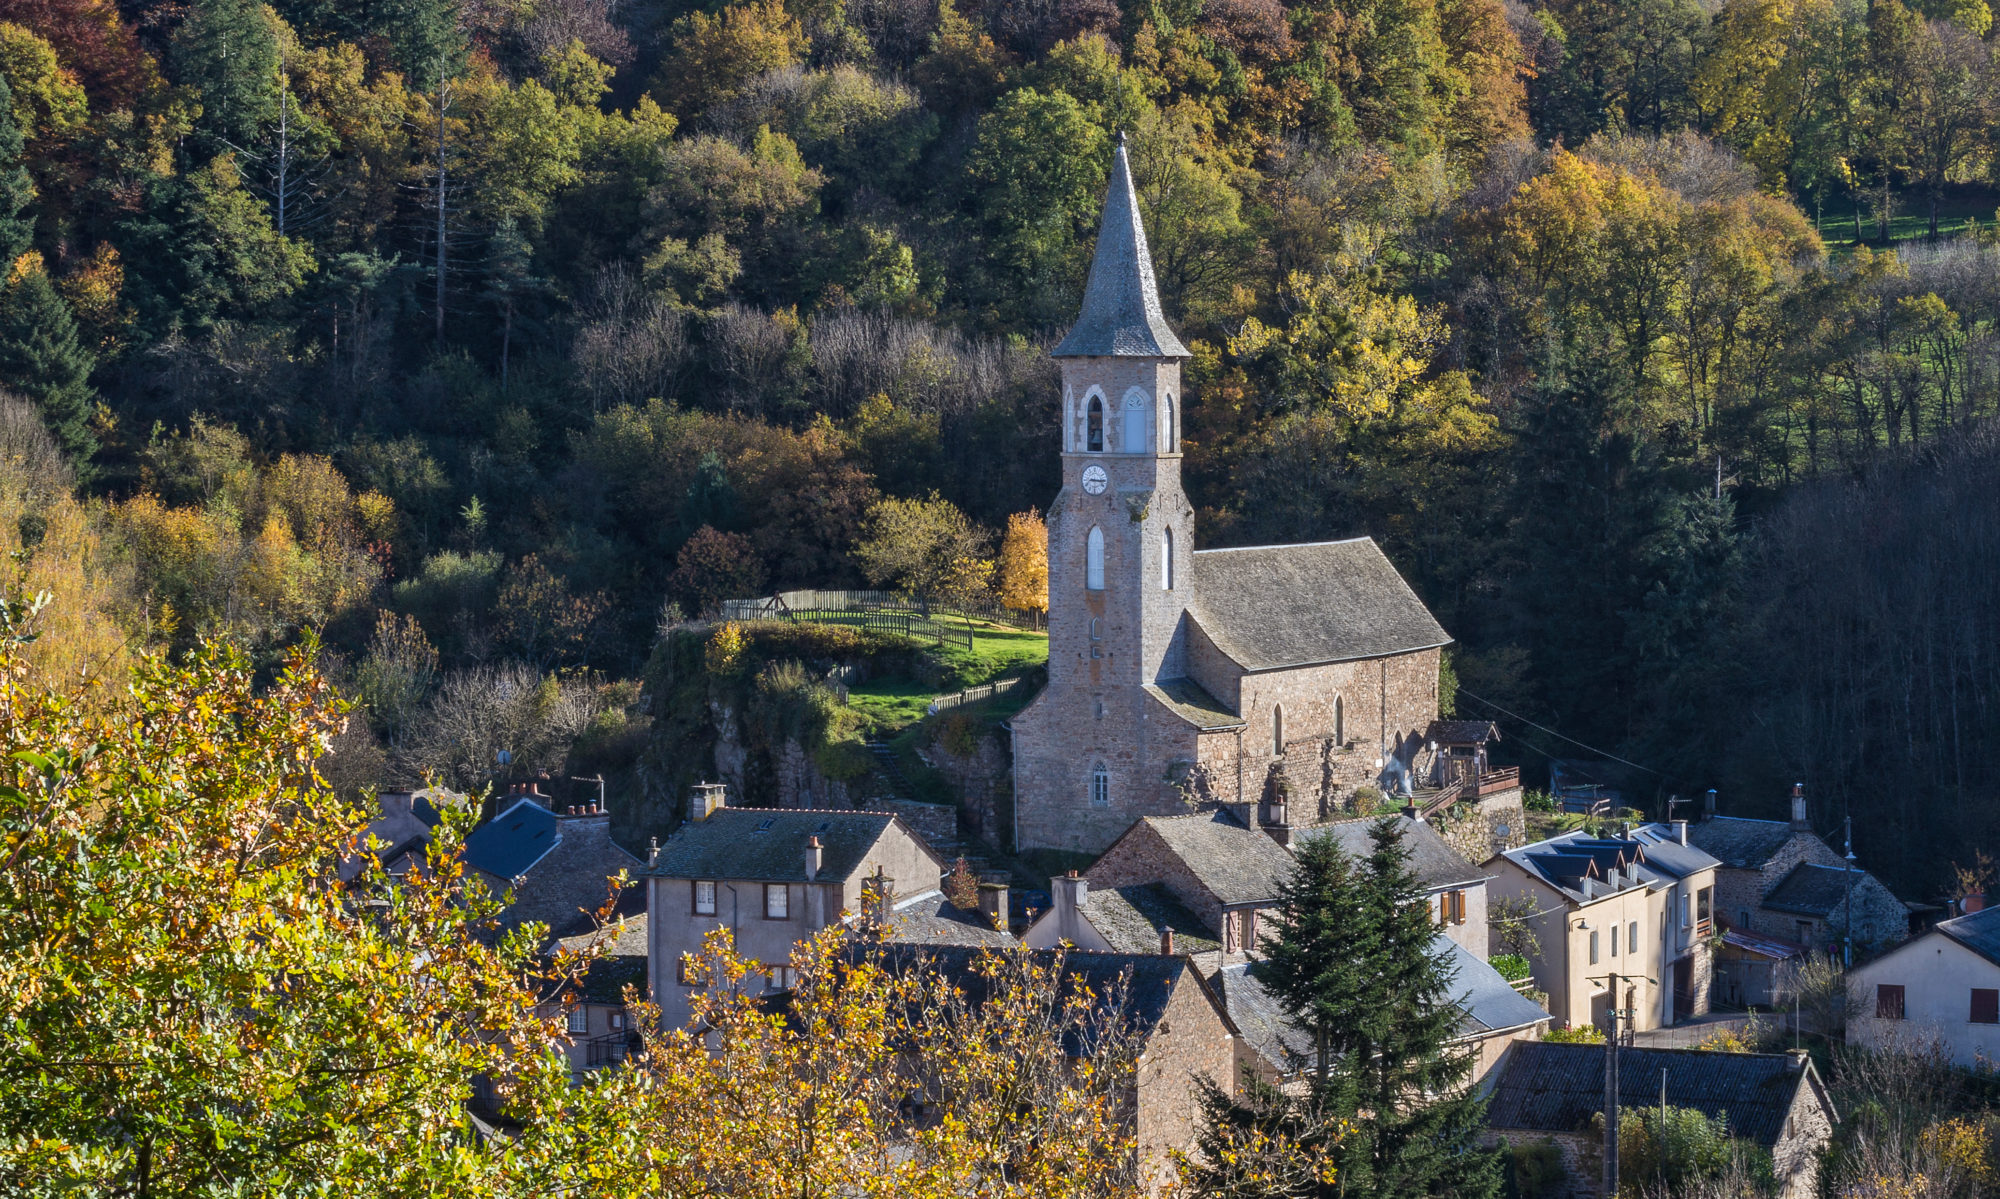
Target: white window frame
578, 1021
704, 897
1093, 559
1100, 786
777, 901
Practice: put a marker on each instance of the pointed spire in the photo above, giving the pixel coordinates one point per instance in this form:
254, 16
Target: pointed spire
1121, 304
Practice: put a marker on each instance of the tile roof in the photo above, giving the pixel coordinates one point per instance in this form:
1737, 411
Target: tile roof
1486, 1003
1274, 606
1979, 932
1810, 889
1121, 314
1236, 864
1436, 864
624, 961
768, 845
1462, 732
1130, 919
1586, 868
1738, 843
1545, 1086
1136, 986
1186, 699
510, 844
928, 918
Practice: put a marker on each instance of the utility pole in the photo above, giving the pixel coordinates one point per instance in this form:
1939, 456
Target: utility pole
1611, 1093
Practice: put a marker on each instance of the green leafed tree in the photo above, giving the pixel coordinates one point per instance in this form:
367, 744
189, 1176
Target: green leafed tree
1037, 176
42, 357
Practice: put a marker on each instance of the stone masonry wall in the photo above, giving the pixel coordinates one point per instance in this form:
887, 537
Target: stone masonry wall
1480, 828
1141, 857
1189, 1043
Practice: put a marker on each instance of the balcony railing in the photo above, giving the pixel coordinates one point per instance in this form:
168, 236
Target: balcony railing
1492, 781
609, 1050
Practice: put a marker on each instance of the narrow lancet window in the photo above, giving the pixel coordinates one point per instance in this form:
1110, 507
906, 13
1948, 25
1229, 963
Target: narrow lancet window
1093, 560
1093, 439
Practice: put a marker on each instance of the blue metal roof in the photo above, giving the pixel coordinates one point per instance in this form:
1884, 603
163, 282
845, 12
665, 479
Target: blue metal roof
508, 845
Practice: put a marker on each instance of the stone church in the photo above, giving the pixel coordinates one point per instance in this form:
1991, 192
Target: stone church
1180, 677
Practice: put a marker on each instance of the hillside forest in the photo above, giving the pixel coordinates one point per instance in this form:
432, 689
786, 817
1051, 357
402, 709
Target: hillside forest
481, 340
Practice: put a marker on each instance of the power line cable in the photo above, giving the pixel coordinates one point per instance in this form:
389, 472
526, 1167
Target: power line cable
1551, 732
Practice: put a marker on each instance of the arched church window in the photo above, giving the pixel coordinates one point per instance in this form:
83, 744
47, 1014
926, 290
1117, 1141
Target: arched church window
1339, 722
1169, 442
1278, 729
1093, 437
1135, 424
1100, 787
1167, 560
1093, 559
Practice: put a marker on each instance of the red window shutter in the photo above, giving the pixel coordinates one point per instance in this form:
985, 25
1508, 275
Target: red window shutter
1985, 1006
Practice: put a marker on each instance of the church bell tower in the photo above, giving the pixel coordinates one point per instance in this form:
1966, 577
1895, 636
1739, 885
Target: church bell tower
1121, 533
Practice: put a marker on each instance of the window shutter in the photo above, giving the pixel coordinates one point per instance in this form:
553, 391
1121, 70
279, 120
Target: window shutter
1888, 1002
1985, 1005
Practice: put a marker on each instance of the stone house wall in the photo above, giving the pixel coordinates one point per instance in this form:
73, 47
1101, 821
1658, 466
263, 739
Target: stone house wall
1879, 917
1795, 1158
1480, 828
1190, 1042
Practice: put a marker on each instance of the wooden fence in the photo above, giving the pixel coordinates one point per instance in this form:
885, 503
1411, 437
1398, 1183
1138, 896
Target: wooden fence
878, 612
1031, 681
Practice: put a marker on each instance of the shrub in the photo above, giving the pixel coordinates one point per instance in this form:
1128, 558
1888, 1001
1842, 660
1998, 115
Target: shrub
1538, 1169
1575, 1034
1512, 966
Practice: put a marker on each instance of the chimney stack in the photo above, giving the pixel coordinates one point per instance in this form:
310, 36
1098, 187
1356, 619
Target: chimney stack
1799, 822
1279, 828
1166, 942
1070, 893
814, 856
1975, 902
1799, 1059
653, 853
1681, 831
993, 905
708, 799
1708, 805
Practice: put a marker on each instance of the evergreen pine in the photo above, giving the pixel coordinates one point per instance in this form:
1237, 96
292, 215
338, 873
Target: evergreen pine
17, 191
1318, 968
227, 51
1419, 1134
42, 357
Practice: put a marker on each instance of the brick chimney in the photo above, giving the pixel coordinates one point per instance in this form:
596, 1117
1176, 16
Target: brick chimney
707, 800
1166, 942
1070, 892
1973, 902
1799, 822
814, 856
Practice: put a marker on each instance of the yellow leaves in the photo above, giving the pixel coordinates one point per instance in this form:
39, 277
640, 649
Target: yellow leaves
1024, 563
724, 652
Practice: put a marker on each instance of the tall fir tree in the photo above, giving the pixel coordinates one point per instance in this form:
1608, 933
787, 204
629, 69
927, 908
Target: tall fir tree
42, 357
17, 190
1419, 1135
227, 50
1356, 964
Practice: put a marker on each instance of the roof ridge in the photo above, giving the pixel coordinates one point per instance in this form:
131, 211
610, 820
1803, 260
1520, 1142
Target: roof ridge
1287, 545
803, 811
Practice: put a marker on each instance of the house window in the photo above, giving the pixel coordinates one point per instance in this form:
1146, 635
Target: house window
1593, 947
1632, 937
1170, 443
1985, 1006
1278, 730
1135, 426
1743, 919
704, 897
1167, 560
777, 901
783, 978
1100, 787
1451, 907
1093, 438
1097, 638
579, 1020
1250, 930
1093, 559
618, 1022
1804, 928
1888, 1002
1701, 905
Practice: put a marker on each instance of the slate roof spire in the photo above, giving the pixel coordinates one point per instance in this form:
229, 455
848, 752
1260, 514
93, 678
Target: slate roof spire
1121, 304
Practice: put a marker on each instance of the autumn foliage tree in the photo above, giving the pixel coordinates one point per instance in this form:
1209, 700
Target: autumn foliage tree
1024, 563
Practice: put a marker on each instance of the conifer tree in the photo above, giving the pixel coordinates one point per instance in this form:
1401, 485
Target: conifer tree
17, 191
227, 50
1420, 1132
42, 357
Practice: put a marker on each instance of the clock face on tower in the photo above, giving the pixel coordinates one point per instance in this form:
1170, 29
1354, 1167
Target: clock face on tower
1094, 479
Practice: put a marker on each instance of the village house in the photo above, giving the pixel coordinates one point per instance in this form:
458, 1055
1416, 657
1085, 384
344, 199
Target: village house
1780, 880
1176, 675
1943, 986
599, 1024
557, 868
400, 835
1218, 871
773, 877
1177, 1025
1638, 907
1548, 1098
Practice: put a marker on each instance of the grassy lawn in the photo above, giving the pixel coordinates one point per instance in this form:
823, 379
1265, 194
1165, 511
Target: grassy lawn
891, 703
1961, 203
